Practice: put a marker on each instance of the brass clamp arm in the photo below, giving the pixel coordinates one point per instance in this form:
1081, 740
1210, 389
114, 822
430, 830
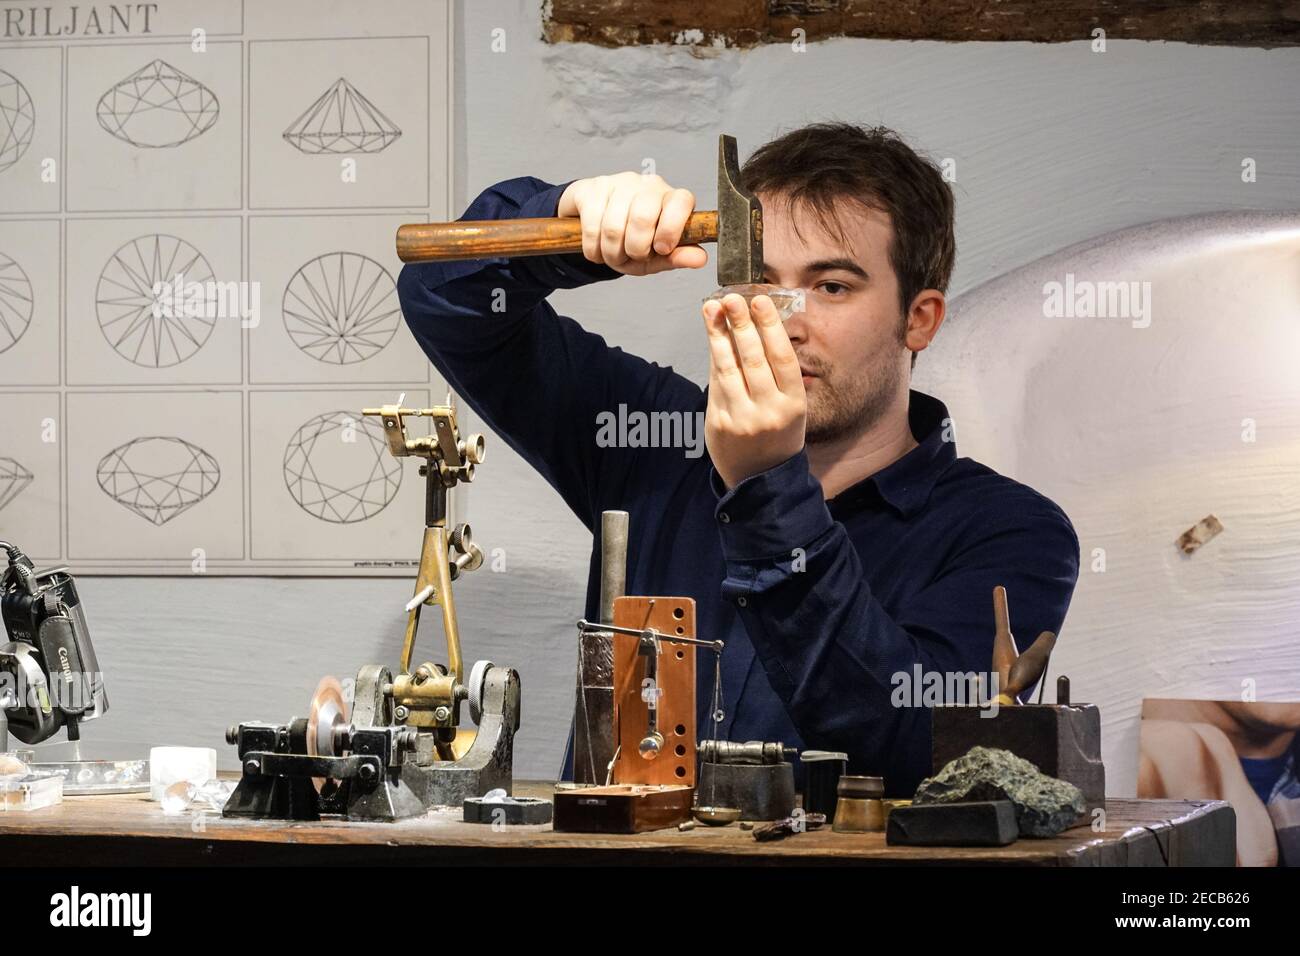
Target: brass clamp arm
430, 695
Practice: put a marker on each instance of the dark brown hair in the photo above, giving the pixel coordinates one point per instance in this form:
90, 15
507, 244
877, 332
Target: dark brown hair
822, 165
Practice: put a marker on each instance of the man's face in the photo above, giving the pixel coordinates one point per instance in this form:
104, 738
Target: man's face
849, 338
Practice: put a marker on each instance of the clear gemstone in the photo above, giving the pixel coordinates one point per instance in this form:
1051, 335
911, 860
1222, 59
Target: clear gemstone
176, 798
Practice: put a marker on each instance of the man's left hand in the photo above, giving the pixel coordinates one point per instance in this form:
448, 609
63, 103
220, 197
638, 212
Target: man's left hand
757, 402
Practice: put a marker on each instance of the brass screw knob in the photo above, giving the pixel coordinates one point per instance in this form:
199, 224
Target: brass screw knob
474, 449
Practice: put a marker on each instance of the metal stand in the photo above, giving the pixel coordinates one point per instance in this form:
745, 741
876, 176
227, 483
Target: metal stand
403, 750
389, 773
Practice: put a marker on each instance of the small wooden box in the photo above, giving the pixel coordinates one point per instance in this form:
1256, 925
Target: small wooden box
621, 808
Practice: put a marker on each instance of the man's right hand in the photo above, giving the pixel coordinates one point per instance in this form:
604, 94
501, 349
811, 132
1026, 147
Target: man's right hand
632, 222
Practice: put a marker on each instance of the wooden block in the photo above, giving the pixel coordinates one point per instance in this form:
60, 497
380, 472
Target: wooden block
621, 809
977, 823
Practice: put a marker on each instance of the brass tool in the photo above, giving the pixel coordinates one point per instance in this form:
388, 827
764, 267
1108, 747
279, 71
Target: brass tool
401, 748
736, 225
861, 805
716, 816
1015, 671
430, 696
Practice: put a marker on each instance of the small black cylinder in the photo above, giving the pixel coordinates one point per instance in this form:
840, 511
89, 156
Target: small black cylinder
823, 769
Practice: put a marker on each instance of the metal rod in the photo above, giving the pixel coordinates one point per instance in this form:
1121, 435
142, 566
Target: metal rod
649, 632
613, 561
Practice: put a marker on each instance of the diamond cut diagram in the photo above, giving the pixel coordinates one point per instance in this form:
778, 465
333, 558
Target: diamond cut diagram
17, 120
337, 467
341, 308
13, 479
158, 477
342, 121
158, 107
15, 302
142, 326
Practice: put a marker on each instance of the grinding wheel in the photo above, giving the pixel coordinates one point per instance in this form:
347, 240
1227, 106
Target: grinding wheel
329, 709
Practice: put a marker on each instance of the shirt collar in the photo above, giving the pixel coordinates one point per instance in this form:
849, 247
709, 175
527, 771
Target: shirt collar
906, 484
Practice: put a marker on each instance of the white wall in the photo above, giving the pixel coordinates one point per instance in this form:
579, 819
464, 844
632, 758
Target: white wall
1054, 144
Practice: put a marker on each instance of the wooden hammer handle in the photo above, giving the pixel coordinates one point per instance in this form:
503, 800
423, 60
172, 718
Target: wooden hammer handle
486, 239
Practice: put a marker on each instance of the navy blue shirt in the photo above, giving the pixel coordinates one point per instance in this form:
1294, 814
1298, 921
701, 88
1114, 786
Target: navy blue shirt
821, 603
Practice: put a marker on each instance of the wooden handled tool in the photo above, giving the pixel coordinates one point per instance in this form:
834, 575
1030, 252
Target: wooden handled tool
1015, 671
736, 226
490, 238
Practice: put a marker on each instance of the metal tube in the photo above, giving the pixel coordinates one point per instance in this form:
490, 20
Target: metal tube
593, 738
613, 561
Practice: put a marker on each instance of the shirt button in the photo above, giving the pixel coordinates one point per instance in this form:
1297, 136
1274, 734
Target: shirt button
742, 601
724, 517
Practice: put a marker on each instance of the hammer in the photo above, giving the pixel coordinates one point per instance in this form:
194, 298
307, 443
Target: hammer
736, 226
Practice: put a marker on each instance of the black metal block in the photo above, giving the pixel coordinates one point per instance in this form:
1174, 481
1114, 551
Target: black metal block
978, 823
524, 811
1063, 741
759, 791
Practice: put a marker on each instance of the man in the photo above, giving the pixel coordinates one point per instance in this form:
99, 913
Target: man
831, 536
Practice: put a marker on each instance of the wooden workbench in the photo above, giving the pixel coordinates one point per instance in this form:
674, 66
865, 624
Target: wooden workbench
131, 829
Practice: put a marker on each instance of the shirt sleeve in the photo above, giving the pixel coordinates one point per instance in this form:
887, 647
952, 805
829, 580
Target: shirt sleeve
536, 378
829, 648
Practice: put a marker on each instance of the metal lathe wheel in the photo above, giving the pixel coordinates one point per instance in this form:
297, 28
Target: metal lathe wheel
477, 681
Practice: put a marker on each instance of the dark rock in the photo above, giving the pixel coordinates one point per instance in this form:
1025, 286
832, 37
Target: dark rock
1044, 805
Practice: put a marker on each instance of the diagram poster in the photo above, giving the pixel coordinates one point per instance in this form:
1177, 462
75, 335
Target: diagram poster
198, 202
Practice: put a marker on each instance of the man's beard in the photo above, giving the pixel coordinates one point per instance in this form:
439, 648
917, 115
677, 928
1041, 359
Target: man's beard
835, 413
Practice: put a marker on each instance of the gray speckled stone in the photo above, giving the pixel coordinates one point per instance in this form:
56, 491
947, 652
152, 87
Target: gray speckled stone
1044, 805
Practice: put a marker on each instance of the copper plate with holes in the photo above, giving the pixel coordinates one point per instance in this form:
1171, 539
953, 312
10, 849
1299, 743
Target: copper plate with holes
675, 764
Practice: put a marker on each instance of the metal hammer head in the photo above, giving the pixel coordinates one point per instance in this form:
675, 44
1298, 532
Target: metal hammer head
740, 222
